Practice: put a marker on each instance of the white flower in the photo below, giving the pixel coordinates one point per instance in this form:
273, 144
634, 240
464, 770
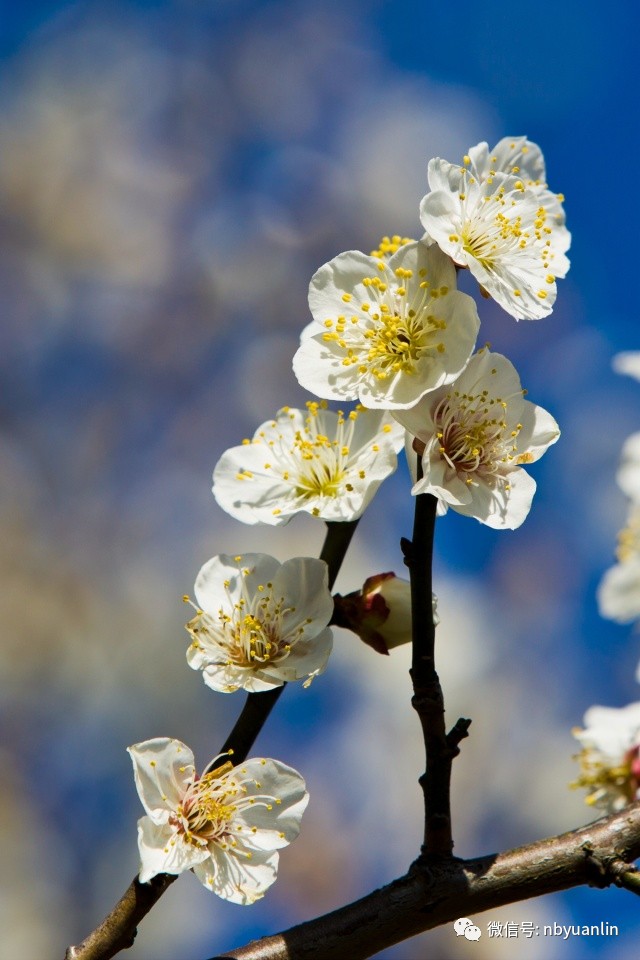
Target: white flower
226, 825
610, 758
385, 331
628, 475
320, 462
496, 216
380, 613
627, 362
260, 623
619, 590
477, 434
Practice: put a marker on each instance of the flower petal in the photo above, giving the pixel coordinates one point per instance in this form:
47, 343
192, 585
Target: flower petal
163, 768
163, 850
235, 879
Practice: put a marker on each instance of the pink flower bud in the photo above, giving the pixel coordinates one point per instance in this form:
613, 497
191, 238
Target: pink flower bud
380, 613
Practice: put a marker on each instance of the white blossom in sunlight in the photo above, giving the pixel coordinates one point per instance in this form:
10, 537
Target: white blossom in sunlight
475, 435
618, 593
226, 825
325, 463
495, 215
610, 756
385, 331
260, 623
627, 362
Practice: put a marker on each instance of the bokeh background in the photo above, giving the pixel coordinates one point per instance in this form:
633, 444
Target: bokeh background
171, 174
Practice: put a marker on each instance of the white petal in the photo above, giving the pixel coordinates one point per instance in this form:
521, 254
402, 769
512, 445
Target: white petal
210, 589
239, 880
612, 731
302, 581
163, 850
307, 657
628, 363
499, 508
619, 592
246, 490
628, 475
276, 823
539, 431
509, 152
318, 367
163, 768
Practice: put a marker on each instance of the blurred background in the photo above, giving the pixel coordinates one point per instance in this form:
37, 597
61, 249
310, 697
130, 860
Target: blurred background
171, 175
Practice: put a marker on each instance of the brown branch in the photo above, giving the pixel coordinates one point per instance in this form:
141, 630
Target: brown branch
118, 930
440, 891
428, 700
626, 875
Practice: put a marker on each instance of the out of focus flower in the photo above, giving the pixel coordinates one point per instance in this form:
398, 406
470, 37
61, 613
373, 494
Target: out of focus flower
385, 331
324, 463
477, 433
495, 215
226, 825
627, 362
619, 590
610, 756
628, 475
380, 613
260, 623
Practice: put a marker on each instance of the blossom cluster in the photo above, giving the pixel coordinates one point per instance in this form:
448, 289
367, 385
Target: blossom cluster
391, 331
610, 755
619, 590
393, 340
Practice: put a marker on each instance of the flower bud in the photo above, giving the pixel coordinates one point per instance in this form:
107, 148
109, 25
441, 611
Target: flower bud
380, 613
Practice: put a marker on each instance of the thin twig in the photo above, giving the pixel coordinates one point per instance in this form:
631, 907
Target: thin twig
428, 700
335, 546
118, 930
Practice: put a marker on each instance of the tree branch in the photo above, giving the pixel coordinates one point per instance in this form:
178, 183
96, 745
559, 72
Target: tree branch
438, 892
428, 699
118, 930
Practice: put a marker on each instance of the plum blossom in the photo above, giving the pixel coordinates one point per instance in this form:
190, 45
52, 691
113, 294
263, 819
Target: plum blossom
619, 590
475, 435
260, 623
628, 363
495, 215
226, 824
385, 330
610, 756
628, 475
325, 463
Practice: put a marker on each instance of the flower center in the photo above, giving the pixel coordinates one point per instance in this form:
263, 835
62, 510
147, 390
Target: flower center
250, 627
629, 539
391, 333
473, 434
319, 465
251, 634
487, 240
396, 343
320, 479
602, 779
253, 641
206, 807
